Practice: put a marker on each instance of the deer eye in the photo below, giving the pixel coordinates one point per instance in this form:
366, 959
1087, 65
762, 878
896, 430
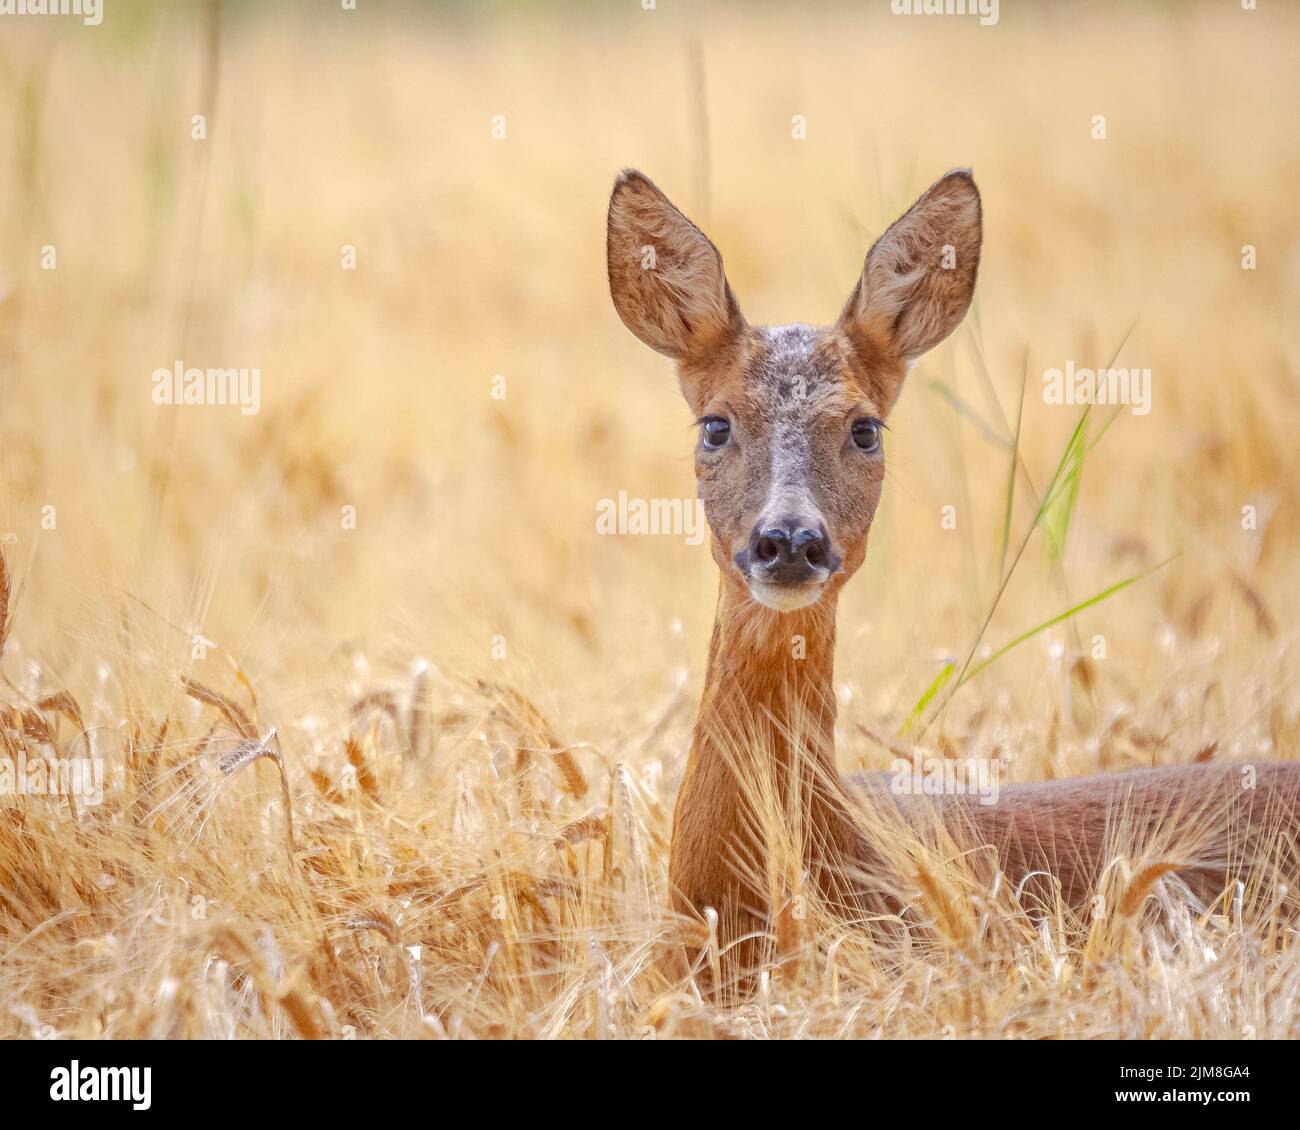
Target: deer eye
715, 431
866, 434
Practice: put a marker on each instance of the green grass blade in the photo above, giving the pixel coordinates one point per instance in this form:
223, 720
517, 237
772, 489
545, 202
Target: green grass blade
1056, 516
1066, 615
940, 681
1076, 450
1011, 475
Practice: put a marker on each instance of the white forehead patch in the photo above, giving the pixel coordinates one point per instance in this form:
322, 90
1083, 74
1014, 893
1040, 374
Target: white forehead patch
787, 369
789, 347
787, 373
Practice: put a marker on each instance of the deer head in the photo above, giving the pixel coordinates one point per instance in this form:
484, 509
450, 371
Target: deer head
790, 459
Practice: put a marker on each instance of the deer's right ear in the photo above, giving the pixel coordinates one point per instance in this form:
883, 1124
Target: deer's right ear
665, 276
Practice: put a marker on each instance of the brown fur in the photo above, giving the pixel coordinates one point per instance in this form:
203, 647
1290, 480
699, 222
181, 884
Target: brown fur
768, 710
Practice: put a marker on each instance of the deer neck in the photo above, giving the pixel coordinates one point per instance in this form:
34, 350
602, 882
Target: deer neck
768, 713
769, 679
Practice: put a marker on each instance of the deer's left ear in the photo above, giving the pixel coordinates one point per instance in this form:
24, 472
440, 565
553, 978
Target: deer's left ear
919, 276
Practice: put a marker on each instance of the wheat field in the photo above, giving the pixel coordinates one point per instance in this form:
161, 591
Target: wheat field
389, 734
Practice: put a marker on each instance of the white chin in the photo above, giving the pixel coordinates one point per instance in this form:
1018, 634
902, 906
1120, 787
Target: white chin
785, 598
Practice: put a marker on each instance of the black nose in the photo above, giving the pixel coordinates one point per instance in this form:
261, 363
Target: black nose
789, 553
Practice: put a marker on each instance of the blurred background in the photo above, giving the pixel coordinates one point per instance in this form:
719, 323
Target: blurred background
466, 152
481, 255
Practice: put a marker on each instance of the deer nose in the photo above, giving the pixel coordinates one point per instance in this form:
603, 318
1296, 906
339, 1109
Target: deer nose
790, 553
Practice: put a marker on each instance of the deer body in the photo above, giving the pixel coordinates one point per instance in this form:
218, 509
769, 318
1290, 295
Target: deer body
1060, 829
790, 467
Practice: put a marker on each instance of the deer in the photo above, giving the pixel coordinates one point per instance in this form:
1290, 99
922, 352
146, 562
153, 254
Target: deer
789, 465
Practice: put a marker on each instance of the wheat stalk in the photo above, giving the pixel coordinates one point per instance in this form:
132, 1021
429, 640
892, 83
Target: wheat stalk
234, 713
4, 604
62, 702
1135, 894
251, 750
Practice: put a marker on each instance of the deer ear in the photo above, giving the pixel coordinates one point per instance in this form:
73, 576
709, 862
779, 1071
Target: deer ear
919, 277
665, 277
